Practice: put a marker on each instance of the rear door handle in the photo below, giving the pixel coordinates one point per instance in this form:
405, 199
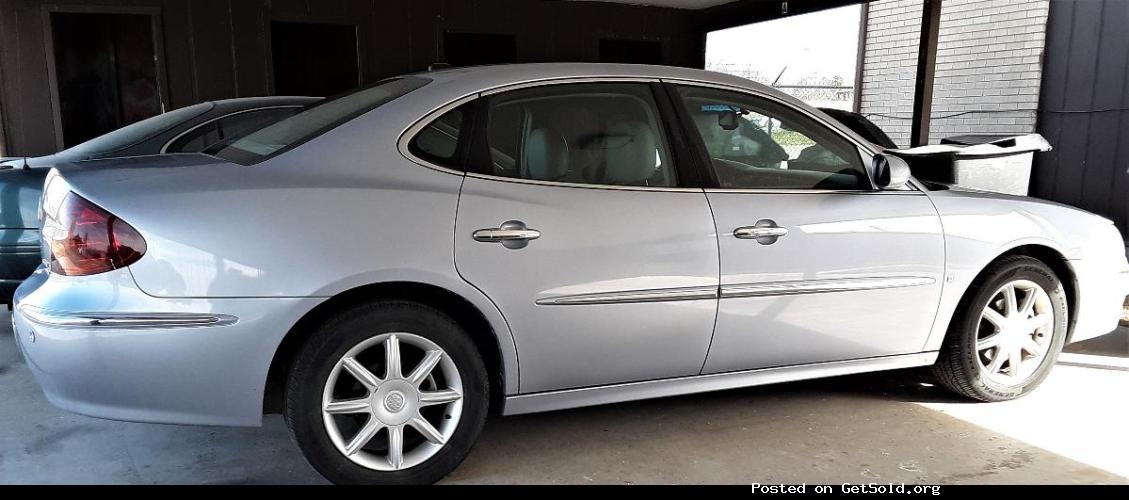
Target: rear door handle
765, 231
511, 234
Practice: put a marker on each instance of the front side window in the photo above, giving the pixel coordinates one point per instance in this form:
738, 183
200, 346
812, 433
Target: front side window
314, 121
606, 134
754, 143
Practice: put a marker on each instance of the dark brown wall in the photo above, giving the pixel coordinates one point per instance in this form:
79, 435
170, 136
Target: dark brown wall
1084, 108
216, 49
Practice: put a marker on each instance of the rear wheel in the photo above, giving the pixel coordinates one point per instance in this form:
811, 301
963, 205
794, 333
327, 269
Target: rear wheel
388, 393
1011, 327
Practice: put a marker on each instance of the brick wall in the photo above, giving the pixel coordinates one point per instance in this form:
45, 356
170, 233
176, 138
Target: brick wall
988, 66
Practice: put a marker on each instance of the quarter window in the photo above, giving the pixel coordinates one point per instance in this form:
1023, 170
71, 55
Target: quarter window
439, 141
754, 143
607, 134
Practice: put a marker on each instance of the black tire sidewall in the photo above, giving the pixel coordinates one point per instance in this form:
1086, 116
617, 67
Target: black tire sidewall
328, 344
1008, 271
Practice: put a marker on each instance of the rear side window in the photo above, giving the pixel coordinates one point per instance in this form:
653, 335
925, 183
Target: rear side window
314, 121
603, 134
227, 128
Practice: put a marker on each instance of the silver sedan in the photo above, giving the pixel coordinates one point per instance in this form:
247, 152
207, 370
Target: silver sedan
388, 267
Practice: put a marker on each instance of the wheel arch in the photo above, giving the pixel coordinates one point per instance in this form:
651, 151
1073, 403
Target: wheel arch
462, 310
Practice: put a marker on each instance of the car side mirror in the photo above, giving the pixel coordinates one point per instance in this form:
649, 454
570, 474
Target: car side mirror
890, 172
727, 120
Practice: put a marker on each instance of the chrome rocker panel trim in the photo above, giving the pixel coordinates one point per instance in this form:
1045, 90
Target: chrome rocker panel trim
632, 391
124, 320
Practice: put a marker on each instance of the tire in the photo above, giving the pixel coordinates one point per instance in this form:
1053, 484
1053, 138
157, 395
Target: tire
321, 378
967, 364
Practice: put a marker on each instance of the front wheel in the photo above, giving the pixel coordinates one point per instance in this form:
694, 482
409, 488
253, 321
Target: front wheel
388, 393
1008, 334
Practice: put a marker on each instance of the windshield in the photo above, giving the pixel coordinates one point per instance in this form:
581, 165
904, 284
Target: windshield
313, 121
133, 134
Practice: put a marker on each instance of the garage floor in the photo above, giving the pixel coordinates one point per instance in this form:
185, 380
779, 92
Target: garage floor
886, 427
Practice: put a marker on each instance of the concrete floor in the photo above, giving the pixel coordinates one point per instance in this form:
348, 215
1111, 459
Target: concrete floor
886, 427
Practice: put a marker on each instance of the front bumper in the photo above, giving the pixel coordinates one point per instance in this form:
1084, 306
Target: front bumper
1101, 298
100, 346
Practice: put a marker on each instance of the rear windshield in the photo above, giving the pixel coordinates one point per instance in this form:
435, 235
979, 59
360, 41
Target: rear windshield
133, 134
313, 121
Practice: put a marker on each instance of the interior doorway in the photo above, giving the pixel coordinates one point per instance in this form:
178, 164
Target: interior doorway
105, 69
314, 59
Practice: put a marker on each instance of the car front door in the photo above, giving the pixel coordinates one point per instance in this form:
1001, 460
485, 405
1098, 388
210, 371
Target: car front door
816, 264
576, 222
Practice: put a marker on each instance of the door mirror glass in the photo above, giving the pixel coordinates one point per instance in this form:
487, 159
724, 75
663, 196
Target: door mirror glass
890, 172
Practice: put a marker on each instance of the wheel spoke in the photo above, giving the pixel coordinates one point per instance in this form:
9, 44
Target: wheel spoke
438, 397
348, 406
1033, 347
392, 357
363, 436
429, 431
1014, 358
997, 361
1039, 321
988, 342
396, 446
359, 372
424, 368
1010, 305
1028, 306
994, 317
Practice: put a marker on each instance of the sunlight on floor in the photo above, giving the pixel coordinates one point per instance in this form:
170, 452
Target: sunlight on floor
1081, 413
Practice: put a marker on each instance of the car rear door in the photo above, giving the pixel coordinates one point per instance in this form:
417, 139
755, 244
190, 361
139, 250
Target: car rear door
816, 265
577, 223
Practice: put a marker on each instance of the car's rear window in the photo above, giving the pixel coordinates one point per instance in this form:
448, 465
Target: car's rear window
313, 121
136, 133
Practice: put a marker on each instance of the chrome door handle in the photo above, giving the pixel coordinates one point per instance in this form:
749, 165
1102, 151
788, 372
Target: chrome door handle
511, 234
765, 231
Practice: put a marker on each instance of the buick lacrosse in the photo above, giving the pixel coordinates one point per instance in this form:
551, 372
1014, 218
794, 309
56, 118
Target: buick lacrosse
389, 266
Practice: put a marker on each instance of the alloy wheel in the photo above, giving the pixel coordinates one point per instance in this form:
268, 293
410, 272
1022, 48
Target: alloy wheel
396, 420
1015, 332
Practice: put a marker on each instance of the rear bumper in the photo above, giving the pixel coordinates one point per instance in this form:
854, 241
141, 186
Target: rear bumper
99, 346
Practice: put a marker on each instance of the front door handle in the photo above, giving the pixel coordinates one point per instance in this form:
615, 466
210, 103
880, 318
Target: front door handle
511, 234
765, 231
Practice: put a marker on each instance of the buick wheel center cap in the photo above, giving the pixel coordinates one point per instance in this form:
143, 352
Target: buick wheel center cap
394, 401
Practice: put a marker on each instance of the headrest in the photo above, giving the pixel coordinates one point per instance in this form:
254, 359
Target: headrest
631, 147
546, 155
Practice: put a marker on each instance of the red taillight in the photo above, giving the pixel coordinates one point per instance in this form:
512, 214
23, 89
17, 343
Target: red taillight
85, 239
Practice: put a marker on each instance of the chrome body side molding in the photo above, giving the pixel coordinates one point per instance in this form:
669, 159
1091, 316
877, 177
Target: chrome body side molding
633, 296
124, 320
590, 396
819, 286
734, 291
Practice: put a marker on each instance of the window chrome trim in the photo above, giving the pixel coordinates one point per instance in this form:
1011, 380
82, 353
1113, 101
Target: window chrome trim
165, 148
633, 296
567, 80
803, 287
609, 187
124, 320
